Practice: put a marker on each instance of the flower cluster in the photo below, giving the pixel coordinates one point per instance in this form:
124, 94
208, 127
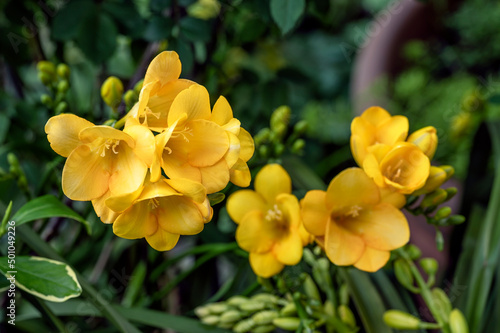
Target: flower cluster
151, 179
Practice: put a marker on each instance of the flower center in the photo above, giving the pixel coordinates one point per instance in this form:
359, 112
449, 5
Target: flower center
154, 203
354, 211
274, 214
105, 145
393, 172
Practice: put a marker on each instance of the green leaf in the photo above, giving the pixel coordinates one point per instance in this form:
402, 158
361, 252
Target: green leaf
127, 17
158, 28
195, 29
44, 207
286, 13
97, 38
44, 278
4, 127
69, 20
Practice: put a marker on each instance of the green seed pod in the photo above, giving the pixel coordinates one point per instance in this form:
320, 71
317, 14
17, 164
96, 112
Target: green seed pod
236, 300
112, 91
429, 265
287, 323
280, 116
298, 146
300, 127
403, 273
63, 71
130, 98
245, 325
458, 323
442, 213
61, 107
230, 316
442, 302
264, 329
413, 251
210, 320
47, 100
434, 198
264, 317
201, 311
289, 309
63, 86
217, 308
266, 298
346, 315
401, 320
138, 87
456, 219
252, 306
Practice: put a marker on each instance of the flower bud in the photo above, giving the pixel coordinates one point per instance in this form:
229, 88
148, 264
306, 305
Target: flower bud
300, 127
329, 309
426, 139
287, 323
46, 100
264, 317
61, 107
289, 309
236, 300
437, 177
413, 251
298, 146
442, 301
344, 293
280, 116
63, 86
264, 329
112, 91
457, 321
230, 317
252, 306
346, 315
264, 151
450, 171
434, 198
204, 9
456, 219
310, 288
46, 67
279, 149
202, 311
403, 273
210, 320
45, 78
429, 265
265, 298
130, 99
442, 213
63, 71
439, 240
244, 326
451, 191
308, 257
217, 308
262, 136
401, 320
279, 130
138, 87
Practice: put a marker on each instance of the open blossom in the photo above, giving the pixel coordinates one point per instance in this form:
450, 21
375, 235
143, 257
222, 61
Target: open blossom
352, 221
269, 223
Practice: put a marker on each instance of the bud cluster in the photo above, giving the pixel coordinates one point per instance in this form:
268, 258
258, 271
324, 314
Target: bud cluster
56, 79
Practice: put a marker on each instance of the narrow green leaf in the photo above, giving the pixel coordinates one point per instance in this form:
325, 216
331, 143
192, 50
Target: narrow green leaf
44, 207
286, 13
44, 278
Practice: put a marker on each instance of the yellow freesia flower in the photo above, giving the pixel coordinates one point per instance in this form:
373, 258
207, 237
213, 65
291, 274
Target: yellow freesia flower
374, 127
352, 222
403, 168
99, 158
162, 212
269, 223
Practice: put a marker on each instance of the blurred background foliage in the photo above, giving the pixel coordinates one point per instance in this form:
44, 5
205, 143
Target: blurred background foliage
260, 55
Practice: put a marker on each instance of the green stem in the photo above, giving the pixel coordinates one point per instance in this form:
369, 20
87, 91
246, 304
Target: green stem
6, 216
425, 291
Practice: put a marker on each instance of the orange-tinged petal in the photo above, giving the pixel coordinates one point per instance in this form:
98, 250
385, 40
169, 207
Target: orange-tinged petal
252, 233
239, 174
272, 180
128, 172
191, 189
62, 132
106, 214
89, 134
265, 264
215, 177
162, 240
222, 112
136, 222
382, 227
179, 215
193, 101
342, 246
351, 187
86, 174
288, 250
289, 206
247, 146
393, 130
243, 201
144, 142
314, 212
376, 115
233, 153
164, 68
372, 260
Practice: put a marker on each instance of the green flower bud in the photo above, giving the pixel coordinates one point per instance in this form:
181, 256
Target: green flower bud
61, 107
210, 320
264, 151
298, 146
434, 198
437, 177
346, 315
458, 323
252, 306
45, 78
138, 87
46, 67
63, 71
236, 300
204, 9
451, 191
264, 317
413, 251
15, 167
429, 265
300, 127
442, 302
289, 309
401, 320
266, 298
230, 316
439, 240
130, 99
344, 293
473, 103
279, 149
280, 131
217, 308
450, 171
308, 257
287, 323
112, 91
244, 326
202, 311
442, 213
310, 288
264, 329
262, 136
63, 86
47, 100
456, 219
329, 309
280, 116
403, 274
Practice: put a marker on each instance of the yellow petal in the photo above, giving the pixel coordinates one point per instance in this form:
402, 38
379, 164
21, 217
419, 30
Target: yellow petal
233, 126
393, 198
160, 143
233, 153
176, 166
265, 264
372, 260
393, 130
144, 142
222, 112
351, 187
314, 212
164, 68
193, 190
288, 250
119, 203
426, 139
215, 177
179, 215
372, 168
62, 132
240, 174
85, 175
342, 246
106, 214
157, 189
139, 110
272, 180
136, 222
253, 233
289, 206
382, 227
375, 115
206, 210
247, 146
162, 240
89, 134
128, 172
243, 201
193, 101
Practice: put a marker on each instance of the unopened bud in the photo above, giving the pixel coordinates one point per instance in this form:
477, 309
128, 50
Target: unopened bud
344, 293
252, 306
138, 87
429, 265
201, 311
264, 329
210, 320
439, 240
437, 177
204, 9
434, 198
280, 131
266, 298
413, 251
264, 151
262, 136
346, 315
245, 325
279, 149
401, 320
442, 302
45, 78
280, 116
403, 273
451, 191
287, 323
298, 146
264, 317
300, 127
112, 91
46, 100
130, 98
426, 139
61, 107
63, 86
230, 316
442, 213
63, 71
217, 308
236, 300
457, 321
46, 67
328, 308
310, 288
289, 309
456, 219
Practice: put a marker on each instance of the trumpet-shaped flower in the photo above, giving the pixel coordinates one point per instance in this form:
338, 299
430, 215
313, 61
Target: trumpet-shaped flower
353, 223
99, 158
376, 127
162, 212
269, 223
